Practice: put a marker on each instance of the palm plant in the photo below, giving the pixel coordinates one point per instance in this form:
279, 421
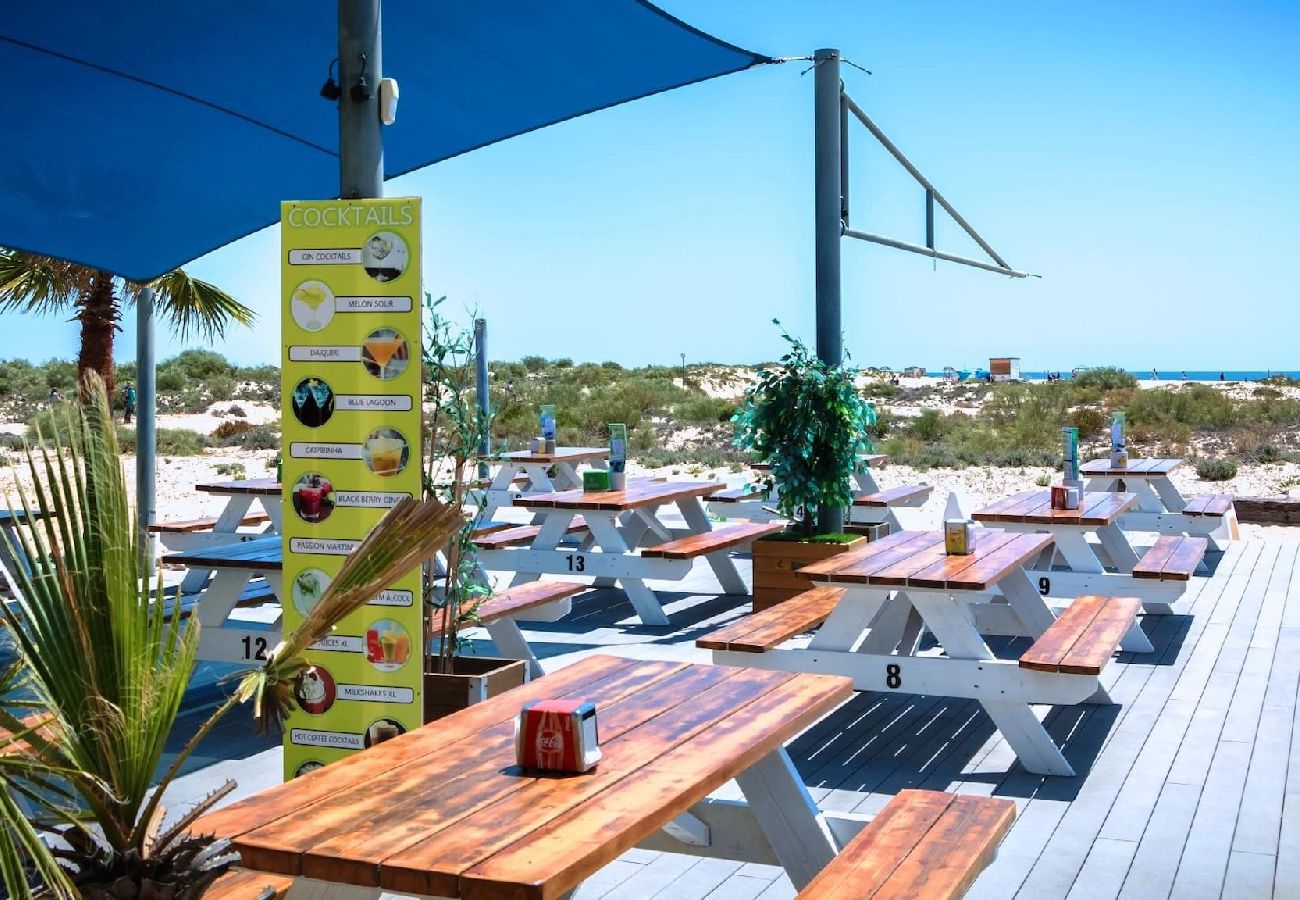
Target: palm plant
45, 285
104, 668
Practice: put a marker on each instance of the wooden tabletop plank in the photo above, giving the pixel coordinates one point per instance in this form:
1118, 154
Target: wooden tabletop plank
1052, 646
572, 846
641, 494
857, 565
1096, 508
561, 455
261, 554
289, 799
434, 806
991, 568
262, 487
950, 568
1035, 508
1152, 467
447, 830
345, 837
924, 556
233, 556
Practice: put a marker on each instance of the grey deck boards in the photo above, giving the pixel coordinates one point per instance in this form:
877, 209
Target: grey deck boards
1189, 786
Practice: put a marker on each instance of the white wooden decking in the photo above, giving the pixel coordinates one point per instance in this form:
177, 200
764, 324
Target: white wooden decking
1187, 786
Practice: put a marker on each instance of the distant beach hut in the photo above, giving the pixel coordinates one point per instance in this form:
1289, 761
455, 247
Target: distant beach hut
914, 372
1004, 368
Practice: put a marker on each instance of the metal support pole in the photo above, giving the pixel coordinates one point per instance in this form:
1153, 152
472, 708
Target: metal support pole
481, 389
361, 147
146, 407
929, 219
827, 174
844, 161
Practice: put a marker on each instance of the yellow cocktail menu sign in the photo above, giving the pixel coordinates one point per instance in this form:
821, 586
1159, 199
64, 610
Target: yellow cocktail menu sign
350, 404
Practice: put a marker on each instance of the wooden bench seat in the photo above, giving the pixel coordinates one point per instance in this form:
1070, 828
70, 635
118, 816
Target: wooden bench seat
1082, 640
509, 603
243, 884
1209, 505
190, 526
1173, 558
512, 536
736, 495
923, 844
906, 495
712, 541
761, 631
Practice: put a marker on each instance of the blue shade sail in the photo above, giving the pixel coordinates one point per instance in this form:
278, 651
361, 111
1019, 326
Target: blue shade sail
139, 136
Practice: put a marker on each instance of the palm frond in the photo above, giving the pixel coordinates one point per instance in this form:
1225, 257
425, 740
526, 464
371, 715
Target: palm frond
195, 307
410, 533
30, 282
98, 656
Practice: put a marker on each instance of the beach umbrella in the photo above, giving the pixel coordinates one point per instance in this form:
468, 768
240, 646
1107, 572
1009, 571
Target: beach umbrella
139, 137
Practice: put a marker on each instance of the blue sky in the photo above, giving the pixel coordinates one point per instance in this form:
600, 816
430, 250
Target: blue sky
1141, 156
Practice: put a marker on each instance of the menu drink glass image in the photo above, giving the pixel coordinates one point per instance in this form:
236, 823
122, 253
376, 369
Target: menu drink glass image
351, 425
384, 353
386, 452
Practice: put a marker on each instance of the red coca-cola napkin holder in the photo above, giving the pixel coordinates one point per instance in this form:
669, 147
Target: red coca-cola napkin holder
557, 736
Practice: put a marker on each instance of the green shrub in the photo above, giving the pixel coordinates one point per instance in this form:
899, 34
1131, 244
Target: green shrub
202, 364
1089, 421
1105, 378
881, 389
180, 442
1043, 480
533, 364
171, 377
1216, 469
929, 425
705, 410
220, 387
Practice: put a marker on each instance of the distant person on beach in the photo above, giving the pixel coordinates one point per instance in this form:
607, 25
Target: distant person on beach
128, 403
1184, 376
1155, 376
55, 397
1221, 378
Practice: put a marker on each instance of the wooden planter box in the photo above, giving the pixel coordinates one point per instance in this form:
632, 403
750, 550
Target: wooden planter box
474, 679
777, 565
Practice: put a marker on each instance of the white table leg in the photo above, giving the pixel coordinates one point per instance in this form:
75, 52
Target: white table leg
1015, 719
567, 477
273, 506
788, 816
1121, 552
866, 482
849, 619
1026, 602
1173, 500
511, 643
539, 482
1073, 546
723, 567
888, 626
228, 522
1148, 500
554, 525
1100, 484
643, 600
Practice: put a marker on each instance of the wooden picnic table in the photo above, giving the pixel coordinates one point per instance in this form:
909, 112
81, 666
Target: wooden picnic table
1161, 507
444, 811
890, 588
540, 473
236, 569
1148, 479
240, 496
1099, 514
618, 523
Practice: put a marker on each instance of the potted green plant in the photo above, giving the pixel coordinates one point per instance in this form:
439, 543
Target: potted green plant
101, 667
808, 421
457, 429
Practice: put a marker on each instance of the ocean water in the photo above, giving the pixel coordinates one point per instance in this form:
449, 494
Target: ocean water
1178, 374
